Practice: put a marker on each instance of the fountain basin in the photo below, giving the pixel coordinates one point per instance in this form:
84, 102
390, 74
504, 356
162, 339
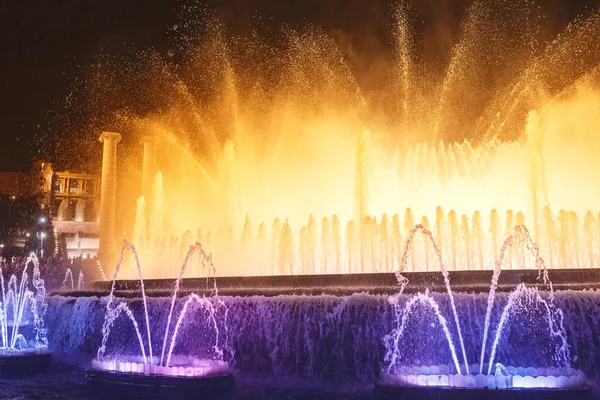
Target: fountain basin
15, 362
185, 375
347, 284
442, 380
186, 367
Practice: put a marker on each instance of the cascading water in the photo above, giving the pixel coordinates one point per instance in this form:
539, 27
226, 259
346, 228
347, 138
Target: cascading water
234, 154
335, 340
402, 281
523, 297
415, 301
167, 364
22, 312
522, 301
328, 338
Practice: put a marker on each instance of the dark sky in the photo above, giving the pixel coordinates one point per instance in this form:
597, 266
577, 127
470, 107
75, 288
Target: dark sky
44, 43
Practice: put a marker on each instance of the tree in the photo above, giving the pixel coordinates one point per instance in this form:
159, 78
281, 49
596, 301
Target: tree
22, 225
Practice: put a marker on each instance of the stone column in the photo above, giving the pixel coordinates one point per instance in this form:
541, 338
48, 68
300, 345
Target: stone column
48, 190
108, 197
148, 166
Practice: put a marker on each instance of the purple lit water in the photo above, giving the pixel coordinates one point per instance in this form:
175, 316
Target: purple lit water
210, 310
127, 361
520, 236
312, 347
419, 299
490, 303
400, 370
69, 277
337, 339
113, 314
527, 298
23, 306
336, 343
205, 260
429, 236
80, 281
330, 339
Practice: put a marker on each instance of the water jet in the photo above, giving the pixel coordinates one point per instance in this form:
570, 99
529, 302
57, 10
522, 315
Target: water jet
24, 345
184, 374
490, 377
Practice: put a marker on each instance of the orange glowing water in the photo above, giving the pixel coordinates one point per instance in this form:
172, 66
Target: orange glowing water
289, 168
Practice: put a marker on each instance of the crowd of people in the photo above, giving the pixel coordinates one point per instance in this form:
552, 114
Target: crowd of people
54, 271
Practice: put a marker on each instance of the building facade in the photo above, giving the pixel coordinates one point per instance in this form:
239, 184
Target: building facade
71, 198
74, 204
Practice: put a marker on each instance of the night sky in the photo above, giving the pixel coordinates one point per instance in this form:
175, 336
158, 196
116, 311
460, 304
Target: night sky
44, 43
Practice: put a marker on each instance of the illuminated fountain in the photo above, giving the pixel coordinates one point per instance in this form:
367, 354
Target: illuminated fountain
168, 367
335, 335
282, 160
459, 374
307, 172
24, 346
69, 276
369, 244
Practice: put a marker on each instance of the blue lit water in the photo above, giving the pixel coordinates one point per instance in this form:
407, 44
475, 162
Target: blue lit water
310, 347
336, 340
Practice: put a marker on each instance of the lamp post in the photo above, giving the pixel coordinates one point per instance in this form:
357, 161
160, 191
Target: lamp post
42, 234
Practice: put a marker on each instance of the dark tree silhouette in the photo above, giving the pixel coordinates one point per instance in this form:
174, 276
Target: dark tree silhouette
22, 222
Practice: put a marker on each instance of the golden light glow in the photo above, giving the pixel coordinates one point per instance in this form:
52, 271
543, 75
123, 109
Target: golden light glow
286, 166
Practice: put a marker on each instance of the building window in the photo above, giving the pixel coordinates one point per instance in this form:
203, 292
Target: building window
59, 186
73, 186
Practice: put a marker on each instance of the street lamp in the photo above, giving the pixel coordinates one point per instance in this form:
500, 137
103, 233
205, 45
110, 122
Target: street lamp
42, 220
42, 236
